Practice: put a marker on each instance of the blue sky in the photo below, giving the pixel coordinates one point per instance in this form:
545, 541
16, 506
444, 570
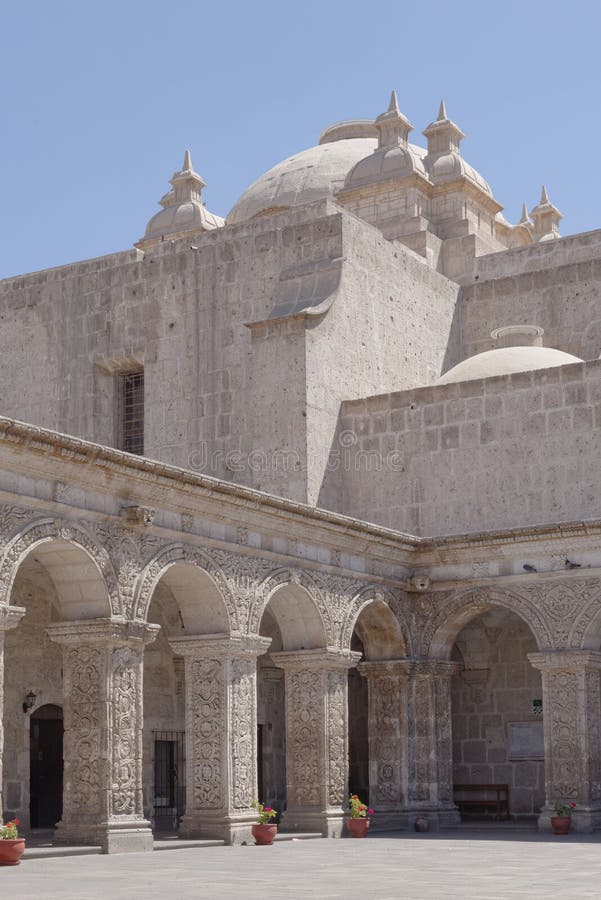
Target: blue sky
100, 100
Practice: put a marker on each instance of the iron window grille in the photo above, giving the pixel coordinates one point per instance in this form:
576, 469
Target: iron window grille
131, 386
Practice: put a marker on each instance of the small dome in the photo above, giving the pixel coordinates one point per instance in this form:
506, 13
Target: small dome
313, 174
386, 163
183, 213
506, 361
188, 216
450, 166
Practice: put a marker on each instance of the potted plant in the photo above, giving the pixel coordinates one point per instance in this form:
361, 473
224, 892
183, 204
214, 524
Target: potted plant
561, 821
358, 821
264, 830
11, 845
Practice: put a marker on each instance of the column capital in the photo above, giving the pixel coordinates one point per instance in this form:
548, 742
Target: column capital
566, 660
320, 659
10, 616
224, 646
103, 631
386, 668
431, 668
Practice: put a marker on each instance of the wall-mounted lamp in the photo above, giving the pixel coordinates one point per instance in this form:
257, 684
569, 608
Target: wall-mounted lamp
29, 701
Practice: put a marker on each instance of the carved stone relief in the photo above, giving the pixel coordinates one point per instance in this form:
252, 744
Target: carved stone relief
337, 737
126, 774
83, 670
304, 737
205, 727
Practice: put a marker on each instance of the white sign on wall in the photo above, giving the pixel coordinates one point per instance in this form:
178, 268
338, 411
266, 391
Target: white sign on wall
526, 740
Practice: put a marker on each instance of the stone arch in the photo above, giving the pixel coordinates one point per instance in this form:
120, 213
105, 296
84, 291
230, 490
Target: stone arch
79, 568
383, 633
188, 572
585, 632
450, 616
294, 602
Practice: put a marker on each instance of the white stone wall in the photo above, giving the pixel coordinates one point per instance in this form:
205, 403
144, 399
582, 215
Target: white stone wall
501, 452
556, 285
210, 389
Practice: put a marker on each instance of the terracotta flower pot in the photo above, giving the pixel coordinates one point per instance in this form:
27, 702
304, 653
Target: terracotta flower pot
264, 834
11, 852
358, 827
561, 824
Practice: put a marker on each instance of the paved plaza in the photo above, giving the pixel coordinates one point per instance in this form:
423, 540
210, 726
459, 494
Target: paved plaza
408, 866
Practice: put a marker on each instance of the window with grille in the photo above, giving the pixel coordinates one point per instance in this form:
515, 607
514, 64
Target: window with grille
131, 406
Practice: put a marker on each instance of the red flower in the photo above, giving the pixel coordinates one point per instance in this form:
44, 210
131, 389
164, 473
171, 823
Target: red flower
370, 812
17, 822
573, 805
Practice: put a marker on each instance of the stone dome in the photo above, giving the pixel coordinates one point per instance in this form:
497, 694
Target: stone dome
505, 361
310, 175
191, 215
385, 163
449, 166
183, 213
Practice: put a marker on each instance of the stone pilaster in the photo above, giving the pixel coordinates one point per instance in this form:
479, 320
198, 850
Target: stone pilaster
10, 616
316, 684
102, 745
572, 723
387, 725
430, 747
221, 734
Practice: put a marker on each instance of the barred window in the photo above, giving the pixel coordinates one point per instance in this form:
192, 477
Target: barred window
131, 408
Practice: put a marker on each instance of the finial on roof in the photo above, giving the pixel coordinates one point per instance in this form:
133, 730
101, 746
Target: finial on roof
525, 218
444, 136
392, 125
183, 213
546, 218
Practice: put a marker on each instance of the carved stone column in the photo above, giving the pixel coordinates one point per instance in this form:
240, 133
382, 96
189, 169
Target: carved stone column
102, 746
430, 747
387, 718
316, 685
572, 723
221, 734
10, 616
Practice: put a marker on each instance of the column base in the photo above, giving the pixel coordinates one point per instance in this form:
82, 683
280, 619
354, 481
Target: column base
328, 824
439, 817
585, 819
235, 829
113, 837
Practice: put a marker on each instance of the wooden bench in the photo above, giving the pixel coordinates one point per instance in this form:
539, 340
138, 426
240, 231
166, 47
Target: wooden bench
492, 796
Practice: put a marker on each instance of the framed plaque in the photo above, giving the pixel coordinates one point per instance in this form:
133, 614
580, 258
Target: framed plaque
526, 740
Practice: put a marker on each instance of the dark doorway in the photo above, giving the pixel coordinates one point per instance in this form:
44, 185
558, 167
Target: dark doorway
169, 779
46, 766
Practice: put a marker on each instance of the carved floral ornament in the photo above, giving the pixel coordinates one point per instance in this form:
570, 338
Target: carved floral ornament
561, 614
45, 530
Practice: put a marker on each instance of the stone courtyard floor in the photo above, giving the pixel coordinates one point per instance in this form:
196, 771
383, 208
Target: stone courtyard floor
483, 864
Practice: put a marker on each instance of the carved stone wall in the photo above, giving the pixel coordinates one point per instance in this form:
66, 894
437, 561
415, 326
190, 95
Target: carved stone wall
221, 728
102, 745
316, 738
9, 618
387, 691
572, 704
429, 738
